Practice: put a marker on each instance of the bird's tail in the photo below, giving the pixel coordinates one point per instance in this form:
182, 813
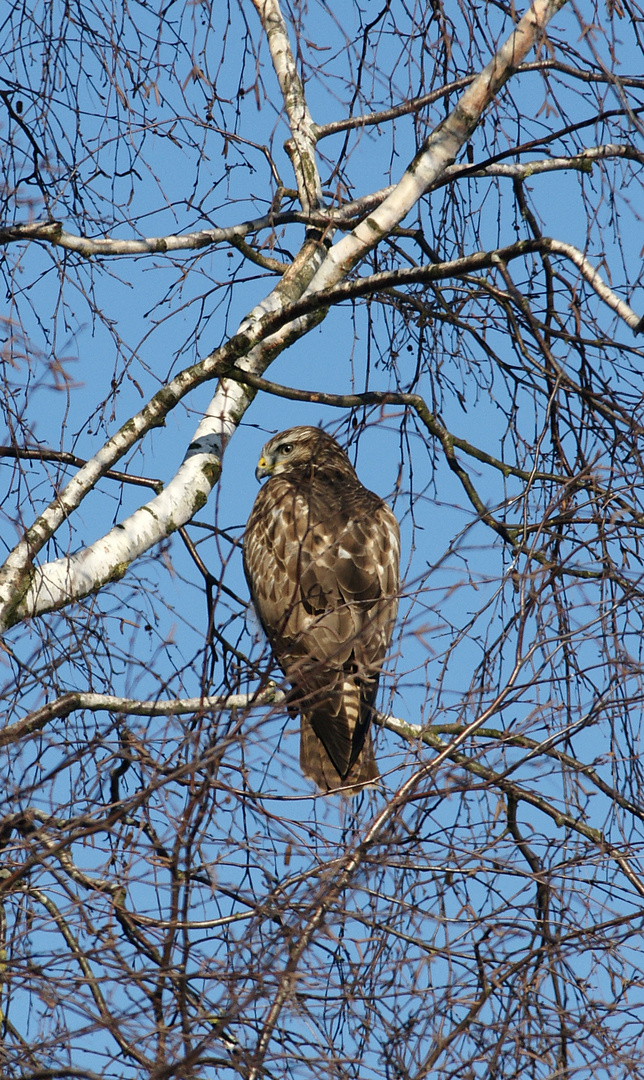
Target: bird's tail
318, 766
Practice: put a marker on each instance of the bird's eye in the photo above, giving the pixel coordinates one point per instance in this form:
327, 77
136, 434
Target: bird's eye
285, 448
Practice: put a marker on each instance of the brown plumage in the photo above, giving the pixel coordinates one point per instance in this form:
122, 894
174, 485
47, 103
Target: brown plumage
321, 557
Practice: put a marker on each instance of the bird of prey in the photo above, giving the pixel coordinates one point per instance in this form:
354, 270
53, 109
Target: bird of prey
321, 556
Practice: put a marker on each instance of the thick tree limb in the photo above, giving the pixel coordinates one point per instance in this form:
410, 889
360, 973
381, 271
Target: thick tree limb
301, 145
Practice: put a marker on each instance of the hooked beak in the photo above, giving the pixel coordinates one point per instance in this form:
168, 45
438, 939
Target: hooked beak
263, 469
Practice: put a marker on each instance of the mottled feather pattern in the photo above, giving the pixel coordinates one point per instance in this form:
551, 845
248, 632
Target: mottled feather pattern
321, 556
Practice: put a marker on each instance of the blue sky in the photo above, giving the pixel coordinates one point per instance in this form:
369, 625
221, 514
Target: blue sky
147, 160
148, 317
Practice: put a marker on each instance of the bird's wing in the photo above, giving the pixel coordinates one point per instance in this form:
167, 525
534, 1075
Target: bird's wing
325, 587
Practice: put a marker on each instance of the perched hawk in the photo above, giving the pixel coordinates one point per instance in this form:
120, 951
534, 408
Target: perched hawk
321, 556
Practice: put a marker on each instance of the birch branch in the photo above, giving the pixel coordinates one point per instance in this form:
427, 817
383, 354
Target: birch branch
52, 232
63, 706
523, 170
482, 260
301, 146
69, 703
471, 264
416, 104
62, 457
109, 558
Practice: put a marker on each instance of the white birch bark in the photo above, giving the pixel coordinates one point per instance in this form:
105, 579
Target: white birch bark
301, 146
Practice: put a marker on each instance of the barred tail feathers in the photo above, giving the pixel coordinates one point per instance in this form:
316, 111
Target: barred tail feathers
336, 748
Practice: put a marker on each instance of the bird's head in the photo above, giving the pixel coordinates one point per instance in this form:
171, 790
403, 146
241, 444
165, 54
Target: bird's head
300, 446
